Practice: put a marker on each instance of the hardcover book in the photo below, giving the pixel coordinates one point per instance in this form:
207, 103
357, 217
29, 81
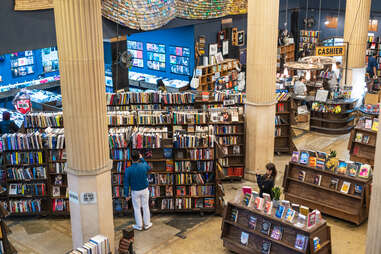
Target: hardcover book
266, 247
365, 171
277, 233
317, 179
266, 225
352, 169
244, 238
345, 187
358, 189
252, 222
304, 157
342, 168
290, 214
280, 211
295, 156
301, 242
334, 183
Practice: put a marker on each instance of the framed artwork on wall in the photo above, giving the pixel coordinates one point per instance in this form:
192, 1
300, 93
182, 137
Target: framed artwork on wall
241, 38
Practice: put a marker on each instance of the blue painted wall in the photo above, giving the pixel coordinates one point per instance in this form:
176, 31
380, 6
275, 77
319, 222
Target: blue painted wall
7, 77
181, 37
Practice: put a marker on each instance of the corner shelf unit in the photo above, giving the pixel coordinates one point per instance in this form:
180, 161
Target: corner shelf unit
231, 233
359, 150
283, 132
328, 200
334, 123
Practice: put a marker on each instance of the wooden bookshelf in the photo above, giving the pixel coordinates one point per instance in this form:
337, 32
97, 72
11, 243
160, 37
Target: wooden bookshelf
207, 80
283, 132
327, 199
360, 150
232, 230
334, 123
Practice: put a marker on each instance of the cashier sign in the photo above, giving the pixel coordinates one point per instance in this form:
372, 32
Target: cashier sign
330, 51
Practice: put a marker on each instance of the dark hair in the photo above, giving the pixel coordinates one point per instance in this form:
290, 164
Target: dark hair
271, 167
6, 115
135, 155
160, 83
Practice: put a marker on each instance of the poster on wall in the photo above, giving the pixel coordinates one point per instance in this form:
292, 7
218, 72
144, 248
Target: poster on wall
156, 56
49, 58
22, 63
213, 48
135, 48
179, 60
241, 38
225, 48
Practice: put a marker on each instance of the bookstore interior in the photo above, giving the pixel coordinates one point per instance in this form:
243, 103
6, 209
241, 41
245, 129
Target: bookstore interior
255, 143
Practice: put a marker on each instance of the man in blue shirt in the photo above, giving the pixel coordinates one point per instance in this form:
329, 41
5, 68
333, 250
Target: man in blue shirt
372, 66
136, 177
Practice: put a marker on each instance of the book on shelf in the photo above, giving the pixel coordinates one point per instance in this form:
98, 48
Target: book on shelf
359, 137
301, 242
301, 175
280, 212
234, 214
317, 179
304, 157
352, 169
252, 224
316, 242
311, 219
277, 233
295, 156
358, 189
25, 206
342, 168
266, 226
365, 171
268, 207
56, 191
259, 203
290, 214
304, 210
375, 124
345, 187
35, 173
244, 238
266, 247
334, 183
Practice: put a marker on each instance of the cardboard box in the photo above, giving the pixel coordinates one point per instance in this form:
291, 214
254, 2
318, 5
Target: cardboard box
372, 98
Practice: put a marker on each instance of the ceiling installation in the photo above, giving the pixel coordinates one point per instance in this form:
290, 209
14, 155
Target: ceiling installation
140, 15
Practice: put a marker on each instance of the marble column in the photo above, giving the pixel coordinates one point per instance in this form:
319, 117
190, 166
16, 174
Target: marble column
262, 38
81, 60
355, 34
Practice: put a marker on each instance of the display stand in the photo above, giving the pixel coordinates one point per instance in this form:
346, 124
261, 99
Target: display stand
210, 73
327, 199
231, 233
328, 122
361, 150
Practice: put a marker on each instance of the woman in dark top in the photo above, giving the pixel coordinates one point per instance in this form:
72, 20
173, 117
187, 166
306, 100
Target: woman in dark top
266, 181
7, 125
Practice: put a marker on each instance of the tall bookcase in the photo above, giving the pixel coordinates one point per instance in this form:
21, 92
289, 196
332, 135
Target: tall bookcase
309, 38
374, 46
233, 226
324, 196
283, 131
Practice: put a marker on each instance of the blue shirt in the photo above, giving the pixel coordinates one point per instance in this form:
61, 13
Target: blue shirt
372, 62
136, 177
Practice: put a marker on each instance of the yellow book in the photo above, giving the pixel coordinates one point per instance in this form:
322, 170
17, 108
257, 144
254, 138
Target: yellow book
375, 124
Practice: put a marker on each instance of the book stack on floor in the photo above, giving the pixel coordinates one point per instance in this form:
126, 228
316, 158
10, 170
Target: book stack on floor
362, 143
230, 139
25, 164
283, 132
98, 244
255, 223
335, 187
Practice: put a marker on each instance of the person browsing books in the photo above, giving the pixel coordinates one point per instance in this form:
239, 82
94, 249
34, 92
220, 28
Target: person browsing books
7, 125
136, 178
266, 182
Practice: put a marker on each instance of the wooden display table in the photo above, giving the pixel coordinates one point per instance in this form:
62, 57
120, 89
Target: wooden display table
360, 150
231, 233
334, 123
328, 200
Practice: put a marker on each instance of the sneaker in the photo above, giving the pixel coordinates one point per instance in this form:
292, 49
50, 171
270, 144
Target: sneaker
148, 226
136, 227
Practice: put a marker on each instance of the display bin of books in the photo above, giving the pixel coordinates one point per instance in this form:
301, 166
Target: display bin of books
333, 117
363, 139
283, 132
335, 187
249, 230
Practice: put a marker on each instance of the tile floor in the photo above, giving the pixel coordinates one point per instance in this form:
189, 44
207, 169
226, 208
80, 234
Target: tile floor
191, 233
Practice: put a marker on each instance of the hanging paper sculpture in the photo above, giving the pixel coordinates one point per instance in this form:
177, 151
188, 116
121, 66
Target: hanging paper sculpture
201, 9
236, 7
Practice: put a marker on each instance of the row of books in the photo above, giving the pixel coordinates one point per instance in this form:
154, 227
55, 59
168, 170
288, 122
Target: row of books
17, 158
233, 171
57, 155
43, 120
117, 179
368, 123
194, 179
190, 203
279, 132
26, 173
120, 205
226, 162
153, 118
279, 120
116, 118
20, 141
322, 161
117, 192
229, 140
59, 167
238, 98
98, 244
160, 179
149, 98
25, 206
60, 205
281, 107
148, 137
227, 129
190, 117
28, 189
309, 33
221, 115
193, 129
193, 141
161, 191
120, 154
120, 166
188, 166
55, 140
282, 96
200, 154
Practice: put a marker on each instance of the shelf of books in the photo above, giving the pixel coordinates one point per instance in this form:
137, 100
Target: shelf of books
261, 228
25, 164
335, 187
54, 143
229, 129
373, 47
362, 142
309, 39
333, 117
283, 132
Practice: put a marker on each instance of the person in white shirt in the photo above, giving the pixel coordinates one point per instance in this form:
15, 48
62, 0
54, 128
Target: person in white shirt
300, 87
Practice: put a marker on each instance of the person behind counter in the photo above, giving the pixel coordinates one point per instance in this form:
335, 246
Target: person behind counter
8, 125
300, 88
266, 182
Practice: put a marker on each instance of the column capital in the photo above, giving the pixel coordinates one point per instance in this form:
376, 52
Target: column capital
90, 172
